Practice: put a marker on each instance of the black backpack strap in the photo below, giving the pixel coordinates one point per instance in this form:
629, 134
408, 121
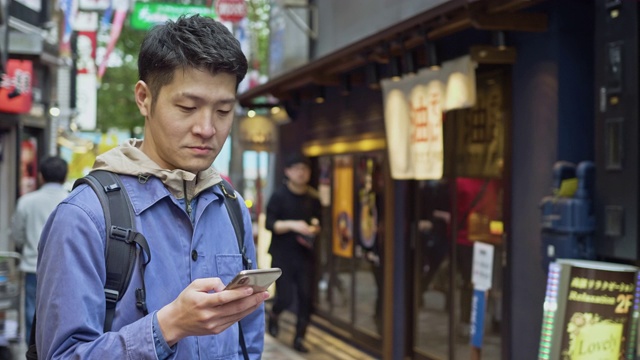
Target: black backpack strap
235, 213
122, 240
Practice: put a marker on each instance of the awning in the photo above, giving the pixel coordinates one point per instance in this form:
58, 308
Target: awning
436, 23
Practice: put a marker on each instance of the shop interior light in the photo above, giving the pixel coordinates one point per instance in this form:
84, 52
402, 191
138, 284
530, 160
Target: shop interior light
433, 62
251, 113
54, 111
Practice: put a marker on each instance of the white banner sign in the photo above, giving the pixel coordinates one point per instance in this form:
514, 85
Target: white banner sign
86, 101
413, 112
482, 270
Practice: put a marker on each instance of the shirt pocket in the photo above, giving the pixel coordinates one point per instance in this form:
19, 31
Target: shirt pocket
227, 266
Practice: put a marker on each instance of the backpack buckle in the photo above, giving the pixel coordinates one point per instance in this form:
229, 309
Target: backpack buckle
120, 233
111, 296
111, 187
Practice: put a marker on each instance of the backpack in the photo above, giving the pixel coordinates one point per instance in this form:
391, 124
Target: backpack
123, 241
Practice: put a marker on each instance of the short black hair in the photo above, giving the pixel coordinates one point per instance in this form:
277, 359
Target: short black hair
189, 42
296, 158
53, 169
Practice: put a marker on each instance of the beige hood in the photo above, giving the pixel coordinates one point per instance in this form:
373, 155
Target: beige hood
128, 159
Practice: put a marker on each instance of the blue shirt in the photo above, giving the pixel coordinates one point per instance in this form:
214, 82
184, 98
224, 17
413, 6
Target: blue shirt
71, 273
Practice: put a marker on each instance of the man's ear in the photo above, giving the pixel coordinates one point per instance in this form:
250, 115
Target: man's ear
143, 98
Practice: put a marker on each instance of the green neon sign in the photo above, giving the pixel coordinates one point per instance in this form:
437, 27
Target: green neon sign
148, 14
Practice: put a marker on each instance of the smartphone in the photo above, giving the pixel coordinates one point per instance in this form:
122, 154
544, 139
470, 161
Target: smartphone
258, 279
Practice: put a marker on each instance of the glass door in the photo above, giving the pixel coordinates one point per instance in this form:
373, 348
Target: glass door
457, 232
349, 282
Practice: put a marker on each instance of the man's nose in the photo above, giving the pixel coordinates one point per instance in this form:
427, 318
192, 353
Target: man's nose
204, 125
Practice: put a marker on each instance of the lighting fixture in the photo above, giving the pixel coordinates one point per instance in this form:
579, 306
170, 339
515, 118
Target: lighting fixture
409, 62
394, 68
432, 56
373, 76
320, 95
499, 40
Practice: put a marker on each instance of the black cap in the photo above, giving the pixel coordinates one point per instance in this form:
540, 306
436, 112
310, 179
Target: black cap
296, 158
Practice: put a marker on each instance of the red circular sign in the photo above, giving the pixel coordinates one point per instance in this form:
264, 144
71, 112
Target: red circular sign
231, 10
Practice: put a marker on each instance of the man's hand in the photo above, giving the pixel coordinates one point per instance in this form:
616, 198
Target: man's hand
297, 226
203, 308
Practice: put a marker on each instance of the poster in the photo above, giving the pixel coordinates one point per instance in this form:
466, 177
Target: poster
598, 314
324, 181
343, 206
28, 165
369, 198
15, 87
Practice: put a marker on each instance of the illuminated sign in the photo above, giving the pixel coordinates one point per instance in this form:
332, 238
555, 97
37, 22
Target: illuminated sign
590, 311
148, 14
15, 87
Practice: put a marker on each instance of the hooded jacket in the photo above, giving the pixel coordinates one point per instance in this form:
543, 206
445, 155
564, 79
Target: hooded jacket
189, 238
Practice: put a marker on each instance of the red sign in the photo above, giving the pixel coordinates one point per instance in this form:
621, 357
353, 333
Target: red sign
86, 52
15, 87
231, 10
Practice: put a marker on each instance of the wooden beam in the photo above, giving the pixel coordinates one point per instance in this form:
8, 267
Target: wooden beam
532, 22
347, 64
326, 79
487, 54
453, 26
296, 83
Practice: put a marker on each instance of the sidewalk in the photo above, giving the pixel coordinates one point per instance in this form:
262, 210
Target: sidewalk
322, 346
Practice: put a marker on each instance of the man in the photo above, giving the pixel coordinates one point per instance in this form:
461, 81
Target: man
293, 214
189, 71
32, 211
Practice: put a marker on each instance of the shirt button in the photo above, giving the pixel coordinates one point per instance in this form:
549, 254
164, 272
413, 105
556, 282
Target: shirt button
194, 255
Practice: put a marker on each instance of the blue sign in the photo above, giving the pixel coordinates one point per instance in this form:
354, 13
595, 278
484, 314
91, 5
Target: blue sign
477, 317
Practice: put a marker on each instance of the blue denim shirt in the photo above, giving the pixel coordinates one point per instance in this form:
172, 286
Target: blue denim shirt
71, 274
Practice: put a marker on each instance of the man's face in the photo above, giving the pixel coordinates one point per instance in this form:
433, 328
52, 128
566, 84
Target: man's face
298, 174
190, 120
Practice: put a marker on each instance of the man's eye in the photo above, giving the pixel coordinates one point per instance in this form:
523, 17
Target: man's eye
186, 108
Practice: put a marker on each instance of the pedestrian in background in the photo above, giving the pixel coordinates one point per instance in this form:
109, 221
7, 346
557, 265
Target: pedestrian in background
32, 211
293, 214
189, 71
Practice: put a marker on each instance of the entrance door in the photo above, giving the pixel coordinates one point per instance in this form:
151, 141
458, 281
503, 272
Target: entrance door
349, 292
458, 227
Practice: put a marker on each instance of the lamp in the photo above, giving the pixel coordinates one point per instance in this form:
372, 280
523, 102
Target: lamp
432, 56
320, 95
394, 68
409, 62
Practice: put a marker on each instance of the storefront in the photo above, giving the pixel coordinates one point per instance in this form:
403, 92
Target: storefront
430, 267
26, 93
